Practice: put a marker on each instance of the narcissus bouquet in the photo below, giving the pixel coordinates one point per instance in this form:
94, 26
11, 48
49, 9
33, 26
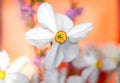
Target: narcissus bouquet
59, 32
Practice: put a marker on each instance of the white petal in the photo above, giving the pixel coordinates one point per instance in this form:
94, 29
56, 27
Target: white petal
70, 51
4, 60
74, 79
63, 74
35, 79
79, 32
54, 57
108, 65
18, 64
82, 61
94, 76
3, 81
46, 16
86, 73
16, 78
39, 36
51, 76
63, 22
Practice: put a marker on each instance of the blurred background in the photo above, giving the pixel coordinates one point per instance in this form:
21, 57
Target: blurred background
103, 14
18, 16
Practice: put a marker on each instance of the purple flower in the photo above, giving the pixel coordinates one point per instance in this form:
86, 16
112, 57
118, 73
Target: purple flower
27, 11
39, 61
73, 13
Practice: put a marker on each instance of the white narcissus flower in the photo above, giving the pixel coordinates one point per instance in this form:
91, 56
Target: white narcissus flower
58, 28
94, 64
10, 74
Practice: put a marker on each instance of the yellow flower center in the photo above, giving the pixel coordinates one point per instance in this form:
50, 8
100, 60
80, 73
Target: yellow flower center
2, 74
99, 64
61, 37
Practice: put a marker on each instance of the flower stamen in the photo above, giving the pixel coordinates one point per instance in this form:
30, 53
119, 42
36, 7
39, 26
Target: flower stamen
2, 74
61, 37
99, 64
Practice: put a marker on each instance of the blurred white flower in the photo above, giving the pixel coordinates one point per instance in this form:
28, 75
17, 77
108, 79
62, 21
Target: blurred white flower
10, 74
113, 52
92, 63
55, 77
34, 79
60, 77
78, 61
75, 79
58, 28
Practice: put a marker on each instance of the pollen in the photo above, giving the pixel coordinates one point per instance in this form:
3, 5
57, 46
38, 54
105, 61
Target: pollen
61, 37
2, 74
99, 64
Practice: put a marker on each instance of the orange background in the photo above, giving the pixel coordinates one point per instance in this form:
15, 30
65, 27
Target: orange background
103, 14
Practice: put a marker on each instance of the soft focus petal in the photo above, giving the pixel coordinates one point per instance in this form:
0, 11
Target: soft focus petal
63, 74
79, 32
16, 78
18, 64
108, 65
86, 73
46, 16
54, 57
35, 79
63, 22
51, 76
2, 81
74, 79
82, 61
110, 51
39, 36
92, 53
94, 76
70, 51
4, 60
85, 59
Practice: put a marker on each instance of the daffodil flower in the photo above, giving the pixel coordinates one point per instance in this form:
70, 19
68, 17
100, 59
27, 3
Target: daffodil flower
10, 74
58, 28
93, 63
